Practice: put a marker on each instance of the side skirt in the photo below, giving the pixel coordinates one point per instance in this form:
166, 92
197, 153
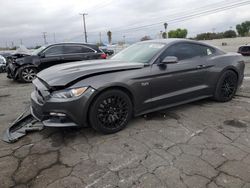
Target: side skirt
172, 105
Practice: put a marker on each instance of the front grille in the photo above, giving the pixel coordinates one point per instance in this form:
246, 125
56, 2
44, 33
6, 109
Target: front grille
41, 91
40, 97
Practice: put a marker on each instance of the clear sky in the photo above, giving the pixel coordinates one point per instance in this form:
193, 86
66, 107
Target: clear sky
26, 19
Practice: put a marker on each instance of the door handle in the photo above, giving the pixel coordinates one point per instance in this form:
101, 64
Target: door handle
201, 66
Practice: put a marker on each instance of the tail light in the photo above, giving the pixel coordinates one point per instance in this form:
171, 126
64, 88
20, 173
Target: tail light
103, 56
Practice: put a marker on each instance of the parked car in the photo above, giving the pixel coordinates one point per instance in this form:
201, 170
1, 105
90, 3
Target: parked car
107, 51
244, 50
145, 77
26, 68
2, 64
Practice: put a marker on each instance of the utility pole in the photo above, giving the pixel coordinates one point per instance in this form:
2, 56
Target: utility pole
84, 26
100, 37
166, 26
21, 41
45, 37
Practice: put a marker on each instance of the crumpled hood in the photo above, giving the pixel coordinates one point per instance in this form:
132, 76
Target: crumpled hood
26, 60
64, 74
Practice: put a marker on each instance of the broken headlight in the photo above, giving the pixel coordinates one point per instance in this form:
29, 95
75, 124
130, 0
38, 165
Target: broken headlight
69, 93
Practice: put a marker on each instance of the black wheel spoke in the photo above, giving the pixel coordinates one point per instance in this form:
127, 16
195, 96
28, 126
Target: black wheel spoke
112, 112
228, 86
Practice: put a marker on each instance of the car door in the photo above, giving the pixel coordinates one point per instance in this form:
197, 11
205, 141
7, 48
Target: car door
181, 81
51, 56
90, 53
76, 53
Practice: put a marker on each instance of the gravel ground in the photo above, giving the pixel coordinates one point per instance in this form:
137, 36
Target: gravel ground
202, 144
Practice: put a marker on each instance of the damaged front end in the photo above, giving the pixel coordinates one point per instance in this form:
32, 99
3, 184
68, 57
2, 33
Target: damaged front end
23, 124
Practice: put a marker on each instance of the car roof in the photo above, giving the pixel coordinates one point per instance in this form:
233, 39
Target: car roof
75, 43
177, 40
246, 45
94, 46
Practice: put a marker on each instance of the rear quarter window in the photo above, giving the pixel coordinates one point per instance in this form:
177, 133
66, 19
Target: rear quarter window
87, 50
54, 50
77, 49
188, 50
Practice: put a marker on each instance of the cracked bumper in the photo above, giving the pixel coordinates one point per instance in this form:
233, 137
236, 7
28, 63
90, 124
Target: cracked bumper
73, 112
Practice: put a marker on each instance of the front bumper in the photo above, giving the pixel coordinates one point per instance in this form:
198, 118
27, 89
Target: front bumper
11, 70
55, 112
2, 68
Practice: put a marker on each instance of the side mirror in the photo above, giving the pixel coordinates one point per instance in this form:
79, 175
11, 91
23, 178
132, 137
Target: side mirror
169, 60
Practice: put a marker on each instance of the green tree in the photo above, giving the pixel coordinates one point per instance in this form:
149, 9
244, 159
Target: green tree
243, 28
109, 33
209, 36
229, 34
178, 33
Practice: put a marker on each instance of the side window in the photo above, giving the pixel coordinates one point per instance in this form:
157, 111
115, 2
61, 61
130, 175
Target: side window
187, 51
77, 49
87, 50
182, 51
205, 50
70, 49
54, 50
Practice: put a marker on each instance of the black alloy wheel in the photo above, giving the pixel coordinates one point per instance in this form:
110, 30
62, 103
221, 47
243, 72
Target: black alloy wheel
226, 87
27, 74
110, 112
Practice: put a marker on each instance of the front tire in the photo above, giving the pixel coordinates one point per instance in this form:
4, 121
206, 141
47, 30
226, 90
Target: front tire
110, 111
27, 74
226, 87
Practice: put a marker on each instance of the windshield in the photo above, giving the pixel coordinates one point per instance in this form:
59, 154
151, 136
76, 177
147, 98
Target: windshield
141, 52
37, 51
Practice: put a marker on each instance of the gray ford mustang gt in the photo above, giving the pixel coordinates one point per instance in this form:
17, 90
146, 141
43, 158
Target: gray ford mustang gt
145, 77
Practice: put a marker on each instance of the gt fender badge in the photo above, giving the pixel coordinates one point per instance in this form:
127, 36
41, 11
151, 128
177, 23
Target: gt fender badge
144, 83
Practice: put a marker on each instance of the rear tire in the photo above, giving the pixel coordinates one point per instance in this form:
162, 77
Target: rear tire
110, 111
226, 87
27, 74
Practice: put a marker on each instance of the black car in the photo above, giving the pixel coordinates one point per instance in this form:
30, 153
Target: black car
108, 51
244, 50
145, 77
26, 68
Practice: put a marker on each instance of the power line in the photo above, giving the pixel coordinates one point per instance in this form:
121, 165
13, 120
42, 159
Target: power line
101, 6
186, 17
182, 18
44, 34
187, 11
192, 10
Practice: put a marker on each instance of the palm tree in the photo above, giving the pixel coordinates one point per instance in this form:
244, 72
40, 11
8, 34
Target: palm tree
109, 33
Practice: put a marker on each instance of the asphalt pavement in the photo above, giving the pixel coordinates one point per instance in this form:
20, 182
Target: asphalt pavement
202, 144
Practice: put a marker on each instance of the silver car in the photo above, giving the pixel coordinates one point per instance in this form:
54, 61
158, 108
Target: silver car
2, 64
